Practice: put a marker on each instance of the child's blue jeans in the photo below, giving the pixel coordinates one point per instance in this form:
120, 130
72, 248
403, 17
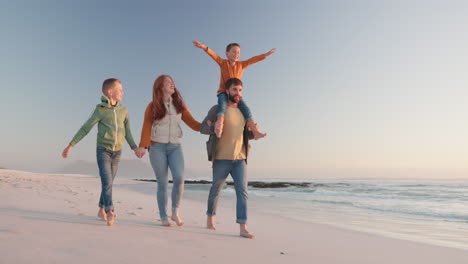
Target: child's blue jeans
108, 162
222, 105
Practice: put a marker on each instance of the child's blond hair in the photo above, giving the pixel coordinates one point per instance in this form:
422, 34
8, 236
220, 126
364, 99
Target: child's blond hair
109, 84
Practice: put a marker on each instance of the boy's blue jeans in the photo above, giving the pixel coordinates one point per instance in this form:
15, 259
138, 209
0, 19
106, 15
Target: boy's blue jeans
162, 157
237, 169
108, 162
223, 102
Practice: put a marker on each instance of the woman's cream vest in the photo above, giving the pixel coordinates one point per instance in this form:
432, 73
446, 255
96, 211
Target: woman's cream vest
167, 129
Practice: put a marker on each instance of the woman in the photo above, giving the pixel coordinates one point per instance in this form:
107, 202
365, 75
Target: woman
161, 135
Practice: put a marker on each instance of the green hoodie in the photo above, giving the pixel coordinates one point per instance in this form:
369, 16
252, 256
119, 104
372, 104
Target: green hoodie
113, 126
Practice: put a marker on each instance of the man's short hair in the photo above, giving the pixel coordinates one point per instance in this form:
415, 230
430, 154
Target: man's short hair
230, 45
232, 81
109, 84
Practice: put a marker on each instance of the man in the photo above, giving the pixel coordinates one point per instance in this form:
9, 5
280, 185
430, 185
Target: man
229, 155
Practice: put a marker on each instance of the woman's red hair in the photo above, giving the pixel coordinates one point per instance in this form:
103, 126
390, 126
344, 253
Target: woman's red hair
159, 111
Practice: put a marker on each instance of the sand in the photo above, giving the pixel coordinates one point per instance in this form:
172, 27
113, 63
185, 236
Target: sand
49, 218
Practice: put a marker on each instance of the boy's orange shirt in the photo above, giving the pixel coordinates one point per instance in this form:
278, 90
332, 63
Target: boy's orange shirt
228, 71
145, 140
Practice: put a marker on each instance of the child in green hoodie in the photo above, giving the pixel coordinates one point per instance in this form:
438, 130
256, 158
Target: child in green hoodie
113, 127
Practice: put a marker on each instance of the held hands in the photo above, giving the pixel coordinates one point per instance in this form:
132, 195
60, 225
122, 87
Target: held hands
139, 152
66, 150
199, 45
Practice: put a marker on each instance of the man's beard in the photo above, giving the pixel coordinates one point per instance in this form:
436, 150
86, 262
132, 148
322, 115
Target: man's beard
234, 99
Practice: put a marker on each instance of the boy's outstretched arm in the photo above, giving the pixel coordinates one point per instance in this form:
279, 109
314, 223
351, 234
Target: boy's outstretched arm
257, 58
197, 44
208, 51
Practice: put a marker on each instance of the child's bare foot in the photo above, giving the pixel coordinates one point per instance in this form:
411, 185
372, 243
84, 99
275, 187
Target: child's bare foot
176, 218
219, 127
110, 217
210, 223
258, 135
255, 130
165, 222
102, 214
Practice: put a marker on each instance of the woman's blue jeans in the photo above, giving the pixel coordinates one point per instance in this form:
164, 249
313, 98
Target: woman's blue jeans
162, 157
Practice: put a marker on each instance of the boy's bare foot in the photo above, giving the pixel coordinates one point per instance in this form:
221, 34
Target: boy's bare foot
165, 222
210, 223
258, 135
245, 233
110, 217
102, 214
219, 128
176, 218
255, 130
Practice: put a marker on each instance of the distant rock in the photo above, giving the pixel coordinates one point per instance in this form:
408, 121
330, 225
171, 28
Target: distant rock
255, 184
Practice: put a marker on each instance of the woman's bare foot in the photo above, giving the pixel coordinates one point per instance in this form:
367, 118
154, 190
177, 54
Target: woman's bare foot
176, 218
165, 222
245, 233
210, 223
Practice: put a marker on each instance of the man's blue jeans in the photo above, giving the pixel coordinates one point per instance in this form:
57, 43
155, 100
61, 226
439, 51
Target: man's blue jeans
108, 162
237, 169
162, 157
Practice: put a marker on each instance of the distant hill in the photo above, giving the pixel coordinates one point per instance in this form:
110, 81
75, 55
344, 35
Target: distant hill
131, 169
127, 169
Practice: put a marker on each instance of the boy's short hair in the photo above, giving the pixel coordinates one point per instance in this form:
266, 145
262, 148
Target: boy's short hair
230, 45
109, 84
233, 81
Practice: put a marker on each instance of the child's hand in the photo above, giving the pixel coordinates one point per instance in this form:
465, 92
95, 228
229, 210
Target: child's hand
140, 152
66, 150
270, 52
199, 45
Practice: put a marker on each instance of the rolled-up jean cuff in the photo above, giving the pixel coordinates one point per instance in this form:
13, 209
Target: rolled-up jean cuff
241, 221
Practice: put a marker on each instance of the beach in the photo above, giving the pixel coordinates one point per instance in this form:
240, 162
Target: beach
51, 218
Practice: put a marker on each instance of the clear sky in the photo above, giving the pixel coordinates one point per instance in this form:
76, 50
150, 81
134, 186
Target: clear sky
353, 84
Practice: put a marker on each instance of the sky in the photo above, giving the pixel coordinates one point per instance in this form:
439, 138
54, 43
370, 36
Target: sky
353, 84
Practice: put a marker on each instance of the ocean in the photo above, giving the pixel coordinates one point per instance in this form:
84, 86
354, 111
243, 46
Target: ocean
431, 212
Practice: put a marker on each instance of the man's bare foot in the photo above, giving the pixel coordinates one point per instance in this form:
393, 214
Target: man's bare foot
165, 222
245, 233
176, 218
102, 214
210, 223
110, 217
